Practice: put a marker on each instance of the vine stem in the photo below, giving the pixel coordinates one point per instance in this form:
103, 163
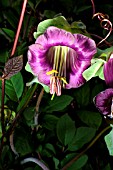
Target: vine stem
2, 106
37, 106
19, 27
93, 5
99, 37
38, 162
88, 147
39, 100
3, 80
2, 116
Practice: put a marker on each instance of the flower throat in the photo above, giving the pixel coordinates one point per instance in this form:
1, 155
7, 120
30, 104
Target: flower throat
58, 73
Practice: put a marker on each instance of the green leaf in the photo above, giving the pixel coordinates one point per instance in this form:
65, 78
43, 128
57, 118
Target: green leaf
97, 88
23, 103
50, 148
29, 168
82, 8
56, 162
9, 32
37, 168
107, 167
21, 49
29, 113
6, 154
100, 73
108, 50
22, 141
5, 3
59, 22
92, 119
58, 103
65, 129
4, 55
37, 3
49, 13
109, 142
50, 121
83, 135
11, 18
78, 25
93, 69
28, 68
14, 87
31, 4
79, 163
82, 95
68, 158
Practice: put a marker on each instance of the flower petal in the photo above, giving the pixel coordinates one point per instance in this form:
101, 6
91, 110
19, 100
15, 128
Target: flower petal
76, 79
108, 72
103, 101
38, 63
83, 46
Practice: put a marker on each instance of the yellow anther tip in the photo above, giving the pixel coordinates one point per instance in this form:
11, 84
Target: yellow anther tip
51, 72
64, 80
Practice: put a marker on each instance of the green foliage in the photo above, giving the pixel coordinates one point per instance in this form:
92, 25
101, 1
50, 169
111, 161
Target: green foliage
50, 121
109, 141
96, 69
58, 104
14, 87
8, 32
60, 22
82, 95
27, 96
65, 129
29, 115
3, 55
22, 142
79, 163
92, 119
83, 135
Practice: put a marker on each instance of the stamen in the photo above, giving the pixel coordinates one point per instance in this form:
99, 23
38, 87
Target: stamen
52, 85
56, 57
64, 80
58, 84
58, 73
51, 72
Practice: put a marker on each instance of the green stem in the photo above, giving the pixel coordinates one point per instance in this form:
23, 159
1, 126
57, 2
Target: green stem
88, 147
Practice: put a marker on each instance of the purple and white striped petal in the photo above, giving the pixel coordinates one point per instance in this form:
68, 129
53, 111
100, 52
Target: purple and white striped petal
71, 52
103, 101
